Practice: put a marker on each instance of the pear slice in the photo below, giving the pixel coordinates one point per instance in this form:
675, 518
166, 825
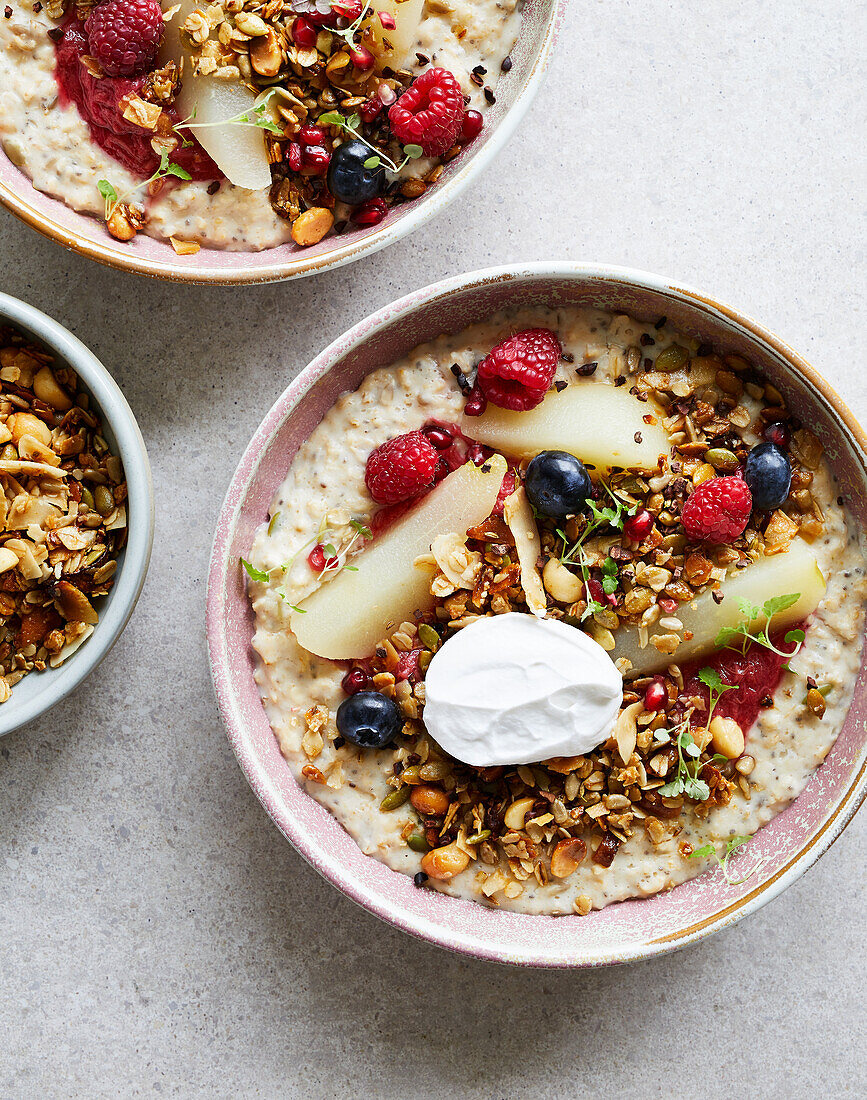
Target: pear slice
779, 575
237, 150
393, 46
353, 611
602, 425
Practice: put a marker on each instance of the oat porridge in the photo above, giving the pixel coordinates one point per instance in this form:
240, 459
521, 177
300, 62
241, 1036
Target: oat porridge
558, 611
244, 124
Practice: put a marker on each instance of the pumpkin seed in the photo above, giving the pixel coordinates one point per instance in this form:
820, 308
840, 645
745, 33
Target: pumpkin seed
429, 637
395, 798
417, 842
722, 459
477, 838
424, 659
86, 497
669, 360
103, 501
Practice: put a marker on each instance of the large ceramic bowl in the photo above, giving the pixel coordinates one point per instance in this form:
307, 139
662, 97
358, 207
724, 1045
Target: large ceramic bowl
629, 930
39, 691
146, 256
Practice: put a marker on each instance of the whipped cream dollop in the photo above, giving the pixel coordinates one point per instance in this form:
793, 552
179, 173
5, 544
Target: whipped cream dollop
515, 689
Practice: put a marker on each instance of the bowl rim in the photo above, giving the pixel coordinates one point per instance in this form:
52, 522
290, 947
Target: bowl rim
112, 255
221, 667
116, 412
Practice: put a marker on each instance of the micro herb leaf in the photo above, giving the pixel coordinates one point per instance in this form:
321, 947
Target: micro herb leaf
372, 162
110, 195
747, 633
332, 118
714, 683
779, 603
253, 573
353, 121
609, 576
732, 845
687, 780
361, 528
330, 550
300, 610
413, 151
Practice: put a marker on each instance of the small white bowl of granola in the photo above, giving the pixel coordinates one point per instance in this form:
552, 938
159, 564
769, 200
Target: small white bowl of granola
547, 645
77, 513
241, 142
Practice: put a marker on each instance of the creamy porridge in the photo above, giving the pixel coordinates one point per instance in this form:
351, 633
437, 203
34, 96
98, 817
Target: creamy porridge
91, 138
523, 836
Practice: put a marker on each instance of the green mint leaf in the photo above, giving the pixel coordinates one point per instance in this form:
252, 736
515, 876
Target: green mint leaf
252, 572
413, 151
795, 636
703, 851
777, 604
372, 162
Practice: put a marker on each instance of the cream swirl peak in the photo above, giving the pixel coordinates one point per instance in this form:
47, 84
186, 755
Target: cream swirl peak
514, 689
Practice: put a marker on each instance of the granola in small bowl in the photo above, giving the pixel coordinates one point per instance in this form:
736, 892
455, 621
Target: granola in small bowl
244, 125
559, 610
63, 511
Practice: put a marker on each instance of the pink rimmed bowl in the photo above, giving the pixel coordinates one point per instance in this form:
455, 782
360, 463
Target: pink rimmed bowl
145, 256
634, 929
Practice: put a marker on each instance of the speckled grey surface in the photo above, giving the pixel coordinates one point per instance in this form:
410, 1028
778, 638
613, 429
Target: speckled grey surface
158, 935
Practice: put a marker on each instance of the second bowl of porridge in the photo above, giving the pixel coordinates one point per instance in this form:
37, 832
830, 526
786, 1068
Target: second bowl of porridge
237, 141
544, 640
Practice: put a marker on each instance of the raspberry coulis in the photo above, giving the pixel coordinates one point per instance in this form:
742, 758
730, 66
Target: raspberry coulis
756, 674
97, 102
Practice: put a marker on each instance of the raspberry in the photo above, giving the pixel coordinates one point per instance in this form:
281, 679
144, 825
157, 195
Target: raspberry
718, 510
401, 468
518, 373
124, 35
430, 113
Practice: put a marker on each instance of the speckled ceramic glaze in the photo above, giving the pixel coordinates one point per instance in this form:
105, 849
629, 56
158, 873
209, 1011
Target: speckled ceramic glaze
39, 691
147, 256
628, 930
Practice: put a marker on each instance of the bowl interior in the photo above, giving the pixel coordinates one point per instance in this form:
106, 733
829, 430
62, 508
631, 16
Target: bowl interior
39, 691
146, 255
635, 928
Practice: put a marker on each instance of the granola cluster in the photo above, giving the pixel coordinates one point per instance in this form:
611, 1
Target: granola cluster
63, 512
540, 821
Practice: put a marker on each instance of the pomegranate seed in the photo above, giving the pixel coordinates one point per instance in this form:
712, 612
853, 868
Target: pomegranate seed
293, 156
303, 33
472, 126
639, 526
370, 108
351, 9
311, 135
441, 471
667, 605
477, 454
476, 402
387, 21
317, 560
371, 212
656, 696
316, 157
777, 432
355, 680
362, 58
440, 437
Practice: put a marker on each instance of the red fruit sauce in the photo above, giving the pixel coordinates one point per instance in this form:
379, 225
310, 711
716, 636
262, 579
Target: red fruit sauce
756, 674
97, 103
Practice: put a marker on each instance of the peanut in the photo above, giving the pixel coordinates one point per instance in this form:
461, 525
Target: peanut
311, 226
444, 863
429, 801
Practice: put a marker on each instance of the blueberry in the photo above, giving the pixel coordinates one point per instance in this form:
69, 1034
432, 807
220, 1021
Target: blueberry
769, 476
557, 484
369, 719
348, 179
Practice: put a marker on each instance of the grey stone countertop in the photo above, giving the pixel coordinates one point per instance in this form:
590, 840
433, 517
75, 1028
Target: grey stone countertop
158, 934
